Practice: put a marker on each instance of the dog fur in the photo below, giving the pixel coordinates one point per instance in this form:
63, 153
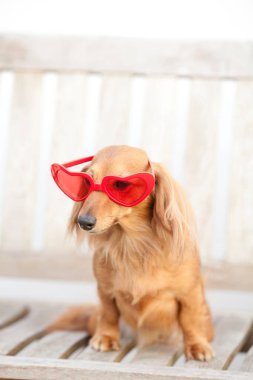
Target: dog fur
146, 262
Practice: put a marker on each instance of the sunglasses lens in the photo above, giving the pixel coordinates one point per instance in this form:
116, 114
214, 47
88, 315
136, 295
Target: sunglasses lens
126, 191
75, 186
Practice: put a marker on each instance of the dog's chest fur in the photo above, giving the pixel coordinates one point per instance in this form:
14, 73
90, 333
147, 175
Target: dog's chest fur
136, 285
143, 279
146, 299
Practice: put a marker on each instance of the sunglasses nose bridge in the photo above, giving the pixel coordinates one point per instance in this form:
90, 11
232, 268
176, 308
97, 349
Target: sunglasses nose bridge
97, 187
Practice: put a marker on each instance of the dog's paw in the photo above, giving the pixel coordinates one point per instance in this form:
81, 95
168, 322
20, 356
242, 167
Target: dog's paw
199, 351
104, 343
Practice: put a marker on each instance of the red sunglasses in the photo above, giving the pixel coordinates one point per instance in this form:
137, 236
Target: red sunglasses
126, 191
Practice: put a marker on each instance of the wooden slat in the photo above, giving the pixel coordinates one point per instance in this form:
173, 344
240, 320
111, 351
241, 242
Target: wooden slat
59, 292
199, 58
155, 355
126, 344
79, 268
37, 369
110, 356
239, 235
223, 275
6, 91
13, 338
230, 334
66, 267
159, 118
67, 143
199, 163
59, 344
22, 159
114, 110
237, 361
247, 364
10, 313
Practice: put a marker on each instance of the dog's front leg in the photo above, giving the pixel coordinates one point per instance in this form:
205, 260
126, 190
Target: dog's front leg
196, 323
106, 337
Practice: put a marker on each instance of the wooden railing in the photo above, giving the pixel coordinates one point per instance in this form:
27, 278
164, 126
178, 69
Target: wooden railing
188, 104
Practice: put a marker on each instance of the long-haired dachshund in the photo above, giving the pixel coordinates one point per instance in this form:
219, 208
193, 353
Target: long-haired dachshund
146, 260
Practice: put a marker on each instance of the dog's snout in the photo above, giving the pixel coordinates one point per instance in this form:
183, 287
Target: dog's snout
86, 222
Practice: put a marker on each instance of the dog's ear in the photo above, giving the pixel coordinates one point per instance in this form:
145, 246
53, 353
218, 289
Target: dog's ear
72, 225
172, 215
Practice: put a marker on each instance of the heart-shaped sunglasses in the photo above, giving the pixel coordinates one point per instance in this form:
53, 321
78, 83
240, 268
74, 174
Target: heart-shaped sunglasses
125, 191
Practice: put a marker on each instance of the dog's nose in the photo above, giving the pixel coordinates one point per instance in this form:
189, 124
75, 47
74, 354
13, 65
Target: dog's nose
86, 222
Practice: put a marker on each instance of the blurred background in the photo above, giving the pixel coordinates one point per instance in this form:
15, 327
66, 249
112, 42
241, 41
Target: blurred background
165, 19
172, 77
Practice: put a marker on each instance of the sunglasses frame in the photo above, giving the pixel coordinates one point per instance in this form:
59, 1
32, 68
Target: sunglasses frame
148, 178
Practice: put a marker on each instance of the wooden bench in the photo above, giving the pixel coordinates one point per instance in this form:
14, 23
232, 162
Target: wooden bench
189, 104
28, 353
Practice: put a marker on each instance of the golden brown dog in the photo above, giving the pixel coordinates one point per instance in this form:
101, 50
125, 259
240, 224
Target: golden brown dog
146, 262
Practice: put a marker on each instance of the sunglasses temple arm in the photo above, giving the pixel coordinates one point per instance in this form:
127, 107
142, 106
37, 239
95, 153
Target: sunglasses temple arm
78, 162
90, 158
151, 167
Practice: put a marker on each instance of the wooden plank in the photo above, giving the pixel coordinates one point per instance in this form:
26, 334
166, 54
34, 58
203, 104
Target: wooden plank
57, 345
230, 334
247, 364
59, 292
22, 157
237, 361
239, 234
226, 275
36, 369
111, 356
10, 313
104, 54
6, 92
199, 164
127, 342
159, 119
79, 268
67, 143
14, 337
155, 355
114, 110
62, 267
85, 293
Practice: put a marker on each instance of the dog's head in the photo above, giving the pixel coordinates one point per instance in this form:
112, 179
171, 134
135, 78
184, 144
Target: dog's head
98, 212
165, 210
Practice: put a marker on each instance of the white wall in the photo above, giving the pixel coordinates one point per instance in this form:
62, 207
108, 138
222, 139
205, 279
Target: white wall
172, 19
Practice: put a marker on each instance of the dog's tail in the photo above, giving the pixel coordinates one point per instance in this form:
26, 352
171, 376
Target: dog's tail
77, 318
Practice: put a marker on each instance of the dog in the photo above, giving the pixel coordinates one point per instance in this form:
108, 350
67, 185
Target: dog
146, 258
